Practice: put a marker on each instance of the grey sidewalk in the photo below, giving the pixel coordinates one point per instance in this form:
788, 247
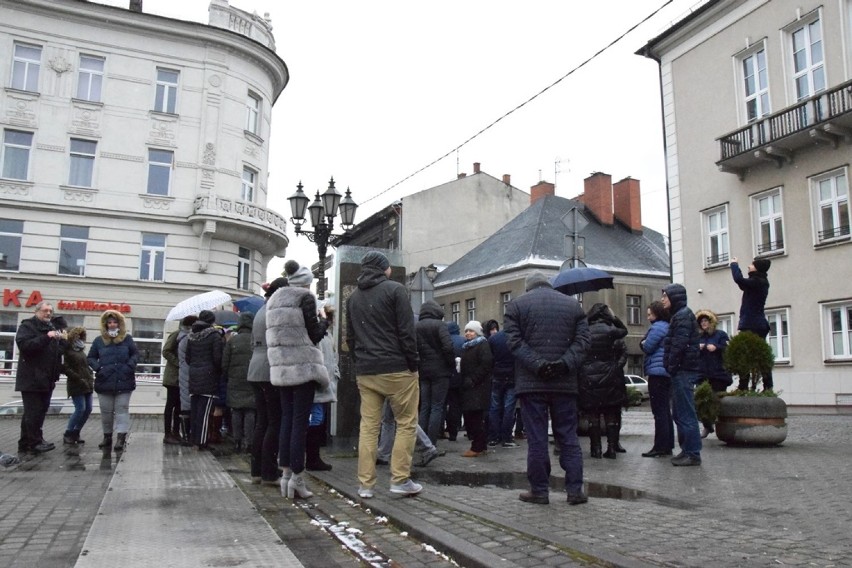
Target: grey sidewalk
789, 505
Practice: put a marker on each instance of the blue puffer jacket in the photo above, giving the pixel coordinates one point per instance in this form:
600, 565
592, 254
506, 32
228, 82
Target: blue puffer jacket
113, 358
681, 345
653, 347
544, 326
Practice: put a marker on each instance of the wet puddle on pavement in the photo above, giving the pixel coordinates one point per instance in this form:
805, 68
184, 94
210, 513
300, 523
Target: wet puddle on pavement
514, 480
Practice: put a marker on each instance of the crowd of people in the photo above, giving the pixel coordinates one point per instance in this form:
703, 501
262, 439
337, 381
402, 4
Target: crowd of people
418, 379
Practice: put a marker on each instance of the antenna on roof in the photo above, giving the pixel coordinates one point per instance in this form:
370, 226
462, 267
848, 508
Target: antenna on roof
557, 170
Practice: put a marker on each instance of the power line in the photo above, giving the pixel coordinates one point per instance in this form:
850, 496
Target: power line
526, 102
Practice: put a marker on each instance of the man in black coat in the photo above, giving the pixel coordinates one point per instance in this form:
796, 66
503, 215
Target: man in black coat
752, 315
40, 347
548, 335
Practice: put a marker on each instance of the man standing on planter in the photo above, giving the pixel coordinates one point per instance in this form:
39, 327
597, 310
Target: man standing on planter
752, 317
680, 360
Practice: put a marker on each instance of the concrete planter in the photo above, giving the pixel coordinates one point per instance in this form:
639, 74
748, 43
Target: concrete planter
752, 420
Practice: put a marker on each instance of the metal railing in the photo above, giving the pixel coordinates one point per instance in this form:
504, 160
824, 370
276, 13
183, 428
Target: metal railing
805, 114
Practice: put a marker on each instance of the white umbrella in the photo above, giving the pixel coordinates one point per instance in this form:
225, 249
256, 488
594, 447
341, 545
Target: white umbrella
191, 306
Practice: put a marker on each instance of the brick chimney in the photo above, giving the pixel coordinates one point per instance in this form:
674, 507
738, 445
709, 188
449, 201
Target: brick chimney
628, 203
597, 195
507, 179
136, 6
476, 167
541, 190
461, 175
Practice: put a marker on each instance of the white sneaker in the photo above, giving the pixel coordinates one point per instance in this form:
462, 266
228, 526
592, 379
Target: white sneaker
407, 488
365, 492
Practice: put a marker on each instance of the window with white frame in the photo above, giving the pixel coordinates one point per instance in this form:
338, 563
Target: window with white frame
82, 164
167, 87
15, 158
148, 336
779, 334
726, 323
506, 298
769, 221
837, 329
73, 242
715, 224
755, 84
253, 107
26, 64
471, 309
249, 180
8, 328
806, 48
244, 269
159, 171
11, 236
455, 309
634, 310
152, 260
90, 78
831, 205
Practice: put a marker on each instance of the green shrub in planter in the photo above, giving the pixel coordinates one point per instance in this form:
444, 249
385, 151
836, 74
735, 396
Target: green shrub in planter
749, 357
634, 397
706, 403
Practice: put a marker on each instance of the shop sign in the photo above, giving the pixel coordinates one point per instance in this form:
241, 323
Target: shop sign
17, 299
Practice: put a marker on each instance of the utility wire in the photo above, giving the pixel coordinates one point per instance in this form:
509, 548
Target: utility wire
526, 102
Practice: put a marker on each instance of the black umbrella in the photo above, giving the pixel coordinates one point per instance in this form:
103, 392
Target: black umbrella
226, 317
583, 279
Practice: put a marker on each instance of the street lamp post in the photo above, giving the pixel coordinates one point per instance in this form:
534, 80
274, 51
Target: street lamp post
322, 212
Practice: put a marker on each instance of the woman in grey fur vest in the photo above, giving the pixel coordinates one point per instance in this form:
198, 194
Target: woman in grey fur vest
296, 368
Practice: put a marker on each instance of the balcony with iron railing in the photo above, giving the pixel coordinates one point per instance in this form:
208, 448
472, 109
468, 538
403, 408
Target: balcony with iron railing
825, 118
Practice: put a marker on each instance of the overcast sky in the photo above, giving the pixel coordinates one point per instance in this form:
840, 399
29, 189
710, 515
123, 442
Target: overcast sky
381, 88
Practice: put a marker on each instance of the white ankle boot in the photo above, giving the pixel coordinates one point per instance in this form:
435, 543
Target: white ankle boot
286, 474
296, 488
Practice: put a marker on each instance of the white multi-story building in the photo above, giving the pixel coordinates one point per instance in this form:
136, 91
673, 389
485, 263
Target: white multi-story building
134, 161
757, 104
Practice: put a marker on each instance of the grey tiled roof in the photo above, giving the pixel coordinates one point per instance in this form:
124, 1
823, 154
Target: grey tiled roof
536, 239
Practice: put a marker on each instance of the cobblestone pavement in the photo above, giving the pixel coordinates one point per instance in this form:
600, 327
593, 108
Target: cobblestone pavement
788, 505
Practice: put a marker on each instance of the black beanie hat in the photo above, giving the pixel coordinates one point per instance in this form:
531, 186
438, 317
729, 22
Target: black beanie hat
377, 259
762, 264
207, 317
270, 289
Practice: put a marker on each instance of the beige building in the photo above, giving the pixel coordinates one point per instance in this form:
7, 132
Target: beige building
134, 162
757, 104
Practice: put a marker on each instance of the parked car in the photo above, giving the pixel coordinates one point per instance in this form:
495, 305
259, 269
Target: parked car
638, 383
17, 406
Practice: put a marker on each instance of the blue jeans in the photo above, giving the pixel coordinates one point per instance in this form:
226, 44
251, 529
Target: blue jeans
660, 391
433, 397
683, 412
563, 416
296, 402
82, 410
501, 416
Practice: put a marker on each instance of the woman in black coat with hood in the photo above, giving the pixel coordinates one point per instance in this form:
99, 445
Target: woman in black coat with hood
752, 317
602, 389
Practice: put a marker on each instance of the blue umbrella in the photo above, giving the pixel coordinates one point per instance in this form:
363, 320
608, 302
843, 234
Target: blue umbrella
583, 279
251, 304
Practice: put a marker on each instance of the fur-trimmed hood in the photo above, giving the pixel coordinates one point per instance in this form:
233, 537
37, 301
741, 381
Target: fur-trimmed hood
714, 321
76, 333
122, 327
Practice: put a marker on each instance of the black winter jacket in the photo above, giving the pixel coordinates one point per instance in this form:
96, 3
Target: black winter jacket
39, 356
681, 344
437, 361
476, 364
755, 290
602, 373
235, 363
504, 361
204, 357
380, 331
75, 366
113, 358
543, 326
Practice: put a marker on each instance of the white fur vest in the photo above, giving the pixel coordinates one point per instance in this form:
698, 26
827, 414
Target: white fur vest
293, 358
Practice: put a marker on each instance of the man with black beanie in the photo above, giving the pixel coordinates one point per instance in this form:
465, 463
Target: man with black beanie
382, 341
752, 317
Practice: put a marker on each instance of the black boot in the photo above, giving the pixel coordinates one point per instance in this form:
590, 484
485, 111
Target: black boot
68, 438
121, 442
313, 461
618, 447
611, 441
107, 442
77, 437
595, 440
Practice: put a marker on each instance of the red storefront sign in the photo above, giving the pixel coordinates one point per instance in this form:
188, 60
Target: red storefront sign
17, 298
